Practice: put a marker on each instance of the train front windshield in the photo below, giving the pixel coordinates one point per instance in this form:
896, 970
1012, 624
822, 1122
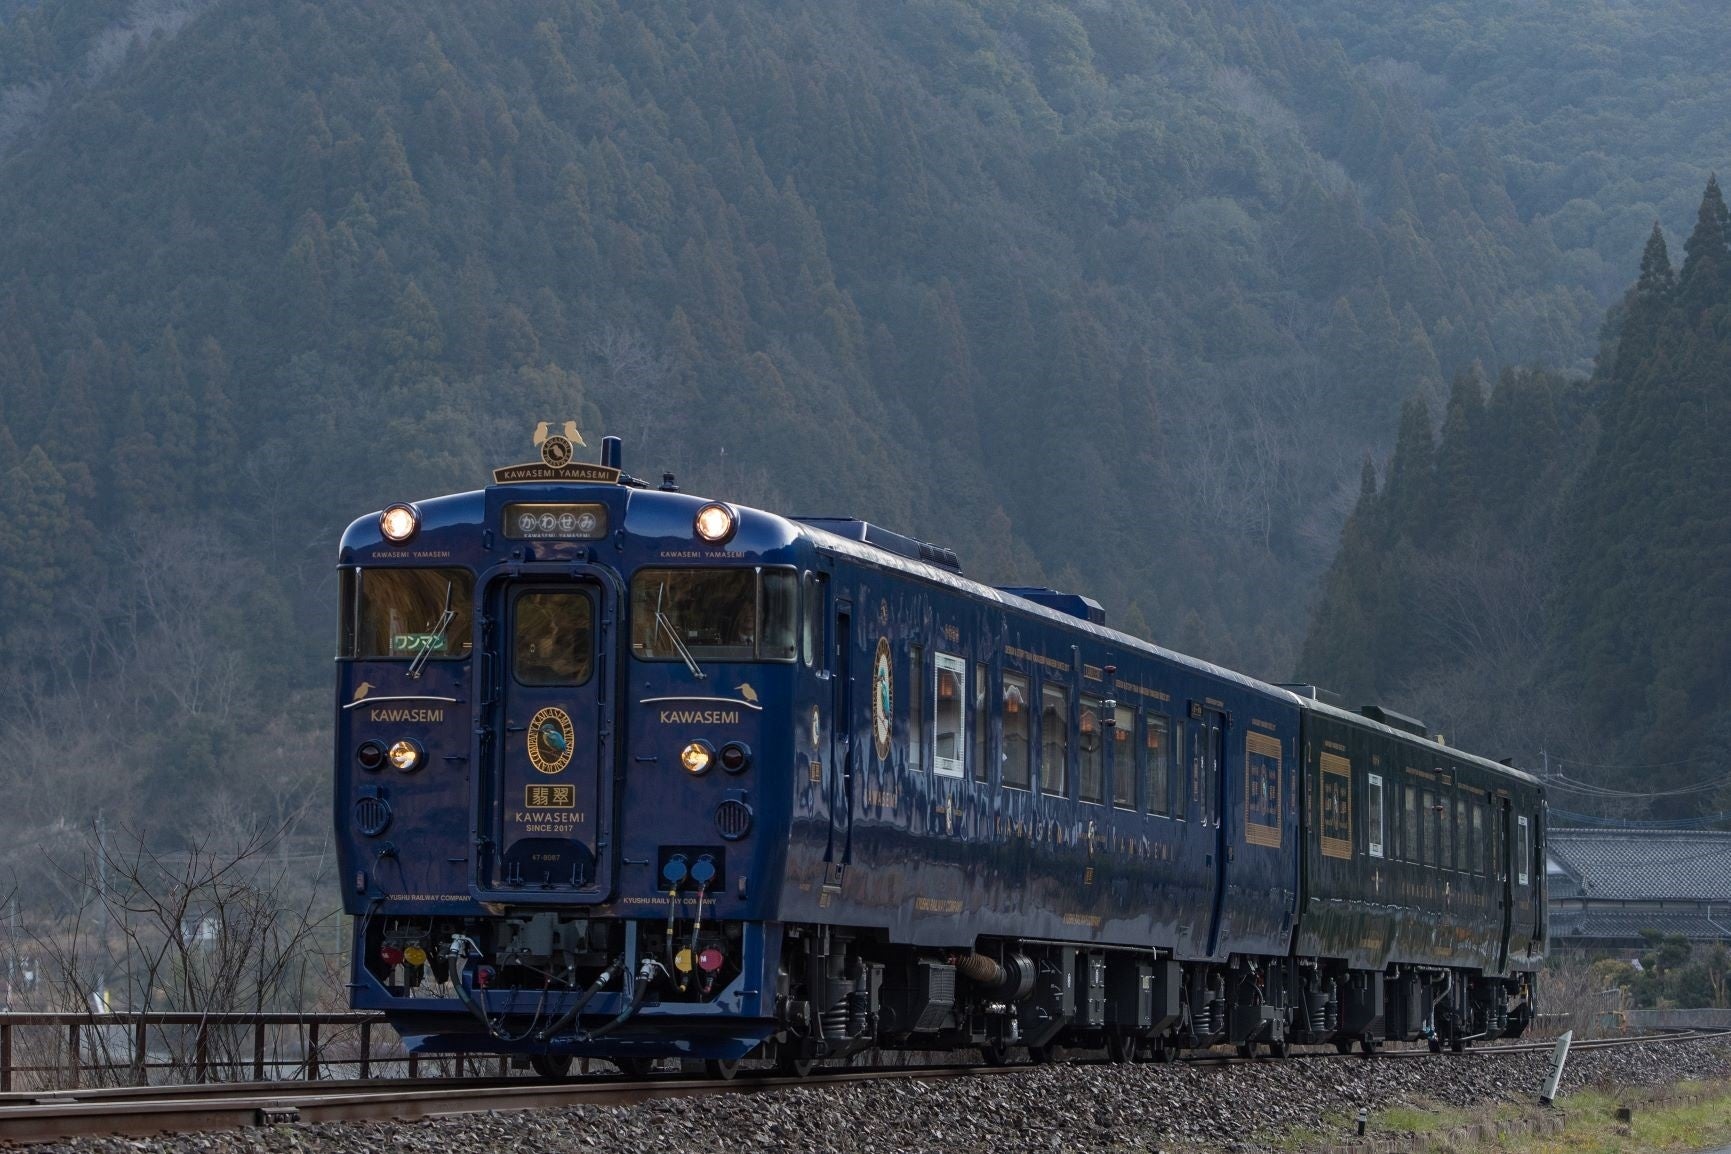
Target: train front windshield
403, 612
714, 614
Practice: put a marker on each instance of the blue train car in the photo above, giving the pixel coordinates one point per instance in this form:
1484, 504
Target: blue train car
626, 773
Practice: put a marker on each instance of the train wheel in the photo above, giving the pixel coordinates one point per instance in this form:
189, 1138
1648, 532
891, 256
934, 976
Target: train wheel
722, 1069
551, 1066
1247, 1049
1120, 1047
790, 1064
635, 1067
1367, 1045
995, 1055
1434, 1043
1278, 1049
1457, 1044
1044, 1055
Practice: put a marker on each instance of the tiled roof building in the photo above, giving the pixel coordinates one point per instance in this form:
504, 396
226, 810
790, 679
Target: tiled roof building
1608, 885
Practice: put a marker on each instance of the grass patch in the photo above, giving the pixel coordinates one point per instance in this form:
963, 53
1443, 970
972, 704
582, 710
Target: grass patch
1687, 1125
1689, 1117
1420, 1118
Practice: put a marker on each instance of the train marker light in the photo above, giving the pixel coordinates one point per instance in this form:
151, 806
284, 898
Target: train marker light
406, 756
716, 522
697, 758
399, 522
370, 755
735, 756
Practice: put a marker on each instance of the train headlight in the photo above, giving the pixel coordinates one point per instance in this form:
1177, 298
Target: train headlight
398, 523
406, 756
370, 755
735, 756
716, 522
697, 758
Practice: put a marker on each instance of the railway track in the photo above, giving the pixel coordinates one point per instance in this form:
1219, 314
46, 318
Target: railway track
140, 1111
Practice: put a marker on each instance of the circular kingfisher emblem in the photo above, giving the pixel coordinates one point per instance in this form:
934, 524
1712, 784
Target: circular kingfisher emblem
556, 452
552, 739
883, 698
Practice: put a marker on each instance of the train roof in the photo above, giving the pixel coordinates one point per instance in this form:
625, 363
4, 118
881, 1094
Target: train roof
939, 575
1393, 731
863, 550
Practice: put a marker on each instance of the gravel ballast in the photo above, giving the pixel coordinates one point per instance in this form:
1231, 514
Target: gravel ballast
1069, 1107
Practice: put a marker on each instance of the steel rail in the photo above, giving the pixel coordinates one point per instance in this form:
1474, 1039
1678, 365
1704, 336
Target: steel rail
180, 1109
143, 1111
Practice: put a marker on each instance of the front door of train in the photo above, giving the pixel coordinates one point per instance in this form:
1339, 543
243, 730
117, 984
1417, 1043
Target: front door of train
551, 783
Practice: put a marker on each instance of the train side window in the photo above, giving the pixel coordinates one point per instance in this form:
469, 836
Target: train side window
1526, 848
1262, 794
982, 720
1157, 764
1124, 757
1473, 834
1091, 753
1054, 739
1463, 839
777, 615
1409, 830
1373, 814
811, 632
1430, 818
349, 599
1179, 792
1018, 716
1334, 784
1478, 839
949, 719
916, 708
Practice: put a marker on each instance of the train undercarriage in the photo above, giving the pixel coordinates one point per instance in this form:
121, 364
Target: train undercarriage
845, 994
549, 986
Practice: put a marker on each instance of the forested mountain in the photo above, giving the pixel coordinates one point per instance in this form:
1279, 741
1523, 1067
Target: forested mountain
1110, 293
1602, 116
1555, 573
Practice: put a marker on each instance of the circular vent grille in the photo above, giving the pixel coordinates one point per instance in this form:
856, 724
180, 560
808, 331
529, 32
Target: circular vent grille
372, 815
733, 819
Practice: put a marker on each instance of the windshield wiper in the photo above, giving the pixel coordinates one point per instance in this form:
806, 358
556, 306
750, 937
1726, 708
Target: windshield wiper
437, 637
661, 622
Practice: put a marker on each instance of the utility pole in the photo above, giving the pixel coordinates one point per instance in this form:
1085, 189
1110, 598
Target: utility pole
101, 988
